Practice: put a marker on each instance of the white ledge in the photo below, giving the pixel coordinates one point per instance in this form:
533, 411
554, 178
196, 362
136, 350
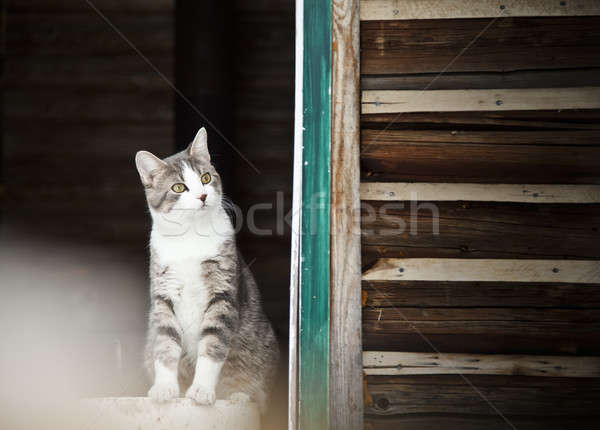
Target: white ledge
141, 413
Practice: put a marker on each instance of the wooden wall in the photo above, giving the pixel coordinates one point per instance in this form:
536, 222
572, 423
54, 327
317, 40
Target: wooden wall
510, 102
263, 124
78, 104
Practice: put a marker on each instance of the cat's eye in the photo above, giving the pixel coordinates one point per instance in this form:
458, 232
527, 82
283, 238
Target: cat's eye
179, 188
205, 178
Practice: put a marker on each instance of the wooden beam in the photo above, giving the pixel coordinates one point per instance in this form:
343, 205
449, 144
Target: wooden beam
524, 396
346, 396
419, 363
315, 275
380, 10
529, 193
484, 270
480, 100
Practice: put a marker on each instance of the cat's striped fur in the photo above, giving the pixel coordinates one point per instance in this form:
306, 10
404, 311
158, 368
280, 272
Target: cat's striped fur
207, 333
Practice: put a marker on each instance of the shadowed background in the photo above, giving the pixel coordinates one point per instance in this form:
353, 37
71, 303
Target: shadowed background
78, 102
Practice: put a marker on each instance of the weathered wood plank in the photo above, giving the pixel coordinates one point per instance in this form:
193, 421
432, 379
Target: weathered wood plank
459, 81
392, 156
507, 44
414, 363
374, 101
480, 230
475, 422
346, 397
380, 10
497, 121
121, 73
88, 35
412, 314
88, 106
531, 329
546, 339
370, 138
484, 270
61, 6
485, 294
522, 395
530, 193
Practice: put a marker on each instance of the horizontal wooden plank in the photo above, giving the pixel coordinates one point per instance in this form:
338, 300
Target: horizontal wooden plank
480, 157
490, 121
533, 330
414, 363
32, 34
530, 193
374, 101
484, 270
124, 72
475, 422
94, 140
588, 77
508, 338
495, 314
137, 6
380, 10
479, 230
506, 44
484, 294
370, 138
512, 395
88, 106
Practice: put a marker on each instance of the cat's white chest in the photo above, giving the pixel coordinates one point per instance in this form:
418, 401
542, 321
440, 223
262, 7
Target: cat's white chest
184, 280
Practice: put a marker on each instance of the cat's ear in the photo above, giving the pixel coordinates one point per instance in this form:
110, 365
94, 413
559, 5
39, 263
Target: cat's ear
199, 147
148, 165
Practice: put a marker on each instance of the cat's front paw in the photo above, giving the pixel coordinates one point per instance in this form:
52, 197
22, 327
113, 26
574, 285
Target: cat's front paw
201, 394
164, 392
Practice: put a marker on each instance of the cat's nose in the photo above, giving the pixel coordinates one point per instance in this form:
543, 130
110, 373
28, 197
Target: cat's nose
203, 197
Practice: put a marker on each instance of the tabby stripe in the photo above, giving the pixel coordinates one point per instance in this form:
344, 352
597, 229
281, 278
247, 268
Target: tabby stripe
162, 200
170, 332
227, 321
167, 302
221, 297
214, 331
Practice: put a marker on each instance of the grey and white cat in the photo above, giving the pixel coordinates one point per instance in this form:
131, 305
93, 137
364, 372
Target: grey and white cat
207, 332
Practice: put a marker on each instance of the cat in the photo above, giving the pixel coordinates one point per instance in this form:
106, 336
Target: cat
207, 333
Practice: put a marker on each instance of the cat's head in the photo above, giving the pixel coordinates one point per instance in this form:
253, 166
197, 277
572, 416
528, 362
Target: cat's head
183, 182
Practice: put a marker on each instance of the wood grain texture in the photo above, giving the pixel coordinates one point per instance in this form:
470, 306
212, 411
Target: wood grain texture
484, 270
346, 397
410, 363
480, 230
87, 34
475, 422
380, 10
530, 193
546, 339
315, 275
137, 6
393, 156
507, 44
484, 294
490, 121
400, 101
522, 395
498, 313
484, 80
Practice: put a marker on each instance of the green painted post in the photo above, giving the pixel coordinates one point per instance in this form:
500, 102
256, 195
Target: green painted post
313, 381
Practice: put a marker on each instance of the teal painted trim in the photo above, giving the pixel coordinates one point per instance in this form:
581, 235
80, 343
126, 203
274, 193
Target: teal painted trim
313, 367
